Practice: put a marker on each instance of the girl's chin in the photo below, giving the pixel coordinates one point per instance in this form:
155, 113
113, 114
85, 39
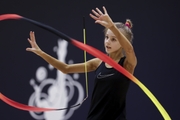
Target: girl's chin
108, 51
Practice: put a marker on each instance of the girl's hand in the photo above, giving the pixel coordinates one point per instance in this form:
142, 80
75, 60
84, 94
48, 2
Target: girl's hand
34, 47
102, 18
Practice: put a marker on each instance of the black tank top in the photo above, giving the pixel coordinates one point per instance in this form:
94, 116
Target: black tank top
108, 100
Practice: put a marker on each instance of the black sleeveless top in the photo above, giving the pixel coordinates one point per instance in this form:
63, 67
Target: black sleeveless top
108, 100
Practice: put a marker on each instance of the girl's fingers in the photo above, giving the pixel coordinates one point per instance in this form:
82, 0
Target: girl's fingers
32, 36
97, 14
105, 11
100, 13
29, 41
28, 49
94, 17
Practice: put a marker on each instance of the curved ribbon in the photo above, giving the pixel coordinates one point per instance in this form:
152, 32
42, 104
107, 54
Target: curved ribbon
93, 51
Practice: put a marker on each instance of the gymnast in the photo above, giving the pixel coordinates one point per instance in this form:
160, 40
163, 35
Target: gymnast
108, 101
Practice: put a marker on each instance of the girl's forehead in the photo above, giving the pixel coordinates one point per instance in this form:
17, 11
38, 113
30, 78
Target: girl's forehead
109, 32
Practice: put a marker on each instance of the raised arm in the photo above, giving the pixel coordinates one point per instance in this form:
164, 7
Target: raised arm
63, 67
105, 20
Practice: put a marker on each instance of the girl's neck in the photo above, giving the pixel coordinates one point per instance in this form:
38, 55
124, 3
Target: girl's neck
116, 56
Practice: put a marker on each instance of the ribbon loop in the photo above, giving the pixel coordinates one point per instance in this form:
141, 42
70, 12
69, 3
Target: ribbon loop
91, 50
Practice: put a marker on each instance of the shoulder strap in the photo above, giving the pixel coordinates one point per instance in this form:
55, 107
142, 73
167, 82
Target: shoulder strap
122, 60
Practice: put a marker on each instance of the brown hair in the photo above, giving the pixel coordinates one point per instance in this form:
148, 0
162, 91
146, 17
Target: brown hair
126, 27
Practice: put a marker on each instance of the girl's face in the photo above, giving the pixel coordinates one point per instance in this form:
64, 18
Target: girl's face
111, 43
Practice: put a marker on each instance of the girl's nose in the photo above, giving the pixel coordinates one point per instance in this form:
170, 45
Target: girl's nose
107, 41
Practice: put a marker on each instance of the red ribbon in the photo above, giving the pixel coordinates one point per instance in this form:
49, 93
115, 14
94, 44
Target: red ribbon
93, 51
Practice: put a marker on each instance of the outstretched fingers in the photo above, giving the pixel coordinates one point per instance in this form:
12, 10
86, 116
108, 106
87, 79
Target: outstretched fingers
105, 11
101, 18
94, 17
96, 13
32, 41
32, 37
99, 11
29, 49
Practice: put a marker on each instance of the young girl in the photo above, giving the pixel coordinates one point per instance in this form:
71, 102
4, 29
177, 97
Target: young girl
109, 94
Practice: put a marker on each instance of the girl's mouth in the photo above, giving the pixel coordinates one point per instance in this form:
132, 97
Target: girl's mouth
108, 47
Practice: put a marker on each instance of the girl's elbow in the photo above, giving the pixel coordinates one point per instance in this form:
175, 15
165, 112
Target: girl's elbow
63, 69
129, 49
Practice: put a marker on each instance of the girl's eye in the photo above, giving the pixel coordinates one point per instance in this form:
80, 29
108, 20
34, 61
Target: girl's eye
106, 37
113, 39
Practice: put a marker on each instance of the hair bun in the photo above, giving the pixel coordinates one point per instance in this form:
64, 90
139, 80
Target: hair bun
129, 23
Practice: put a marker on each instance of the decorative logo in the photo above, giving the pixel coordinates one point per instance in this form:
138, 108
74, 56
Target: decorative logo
55, 93
100, 76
